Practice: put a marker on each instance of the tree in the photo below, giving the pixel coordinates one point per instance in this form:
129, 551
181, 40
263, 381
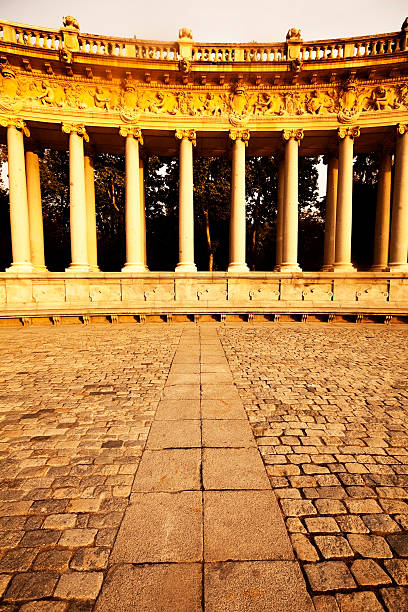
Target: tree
364, 205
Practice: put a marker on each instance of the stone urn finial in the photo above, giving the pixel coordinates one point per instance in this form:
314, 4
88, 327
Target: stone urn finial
70, 22
185, 34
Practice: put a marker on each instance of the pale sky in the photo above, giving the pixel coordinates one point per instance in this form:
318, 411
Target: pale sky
215, 20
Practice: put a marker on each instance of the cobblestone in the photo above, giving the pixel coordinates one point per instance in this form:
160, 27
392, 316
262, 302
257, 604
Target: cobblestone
336, 398
75, 409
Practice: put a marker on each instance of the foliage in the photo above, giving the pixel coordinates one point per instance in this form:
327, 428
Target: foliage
212, 177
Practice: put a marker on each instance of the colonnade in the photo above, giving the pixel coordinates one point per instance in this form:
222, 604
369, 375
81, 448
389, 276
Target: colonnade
391, 244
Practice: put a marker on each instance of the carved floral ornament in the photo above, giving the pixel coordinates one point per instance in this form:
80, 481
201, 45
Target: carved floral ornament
402, 128
238, 104
187, 134
349, 132
75, 128
19, 124
243, 135
296, 134
131, 131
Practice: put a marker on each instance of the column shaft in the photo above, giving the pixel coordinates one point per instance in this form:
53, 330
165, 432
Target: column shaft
237, 261
133, 217
344, 208
382, 216
290, 207
77, 201
331, 204
91, 213
399, 222
142, 210
279, 218
35, 211
19, 220
186, 208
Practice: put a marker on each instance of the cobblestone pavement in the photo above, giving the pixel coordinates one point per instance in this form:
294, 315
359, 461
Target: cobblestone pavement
327, 404
329, 408
76, 404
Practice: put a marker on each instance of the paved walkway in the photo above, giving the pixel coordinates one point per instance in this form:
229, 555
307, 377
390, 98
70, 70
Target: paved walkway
236, 417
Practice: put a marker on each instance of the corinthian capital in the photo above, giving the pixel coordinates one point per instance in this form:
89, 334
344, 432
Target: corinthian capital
189, 134
296, 134
19, 124
75, 128
349, 132
402, 128
240, 135
134, 131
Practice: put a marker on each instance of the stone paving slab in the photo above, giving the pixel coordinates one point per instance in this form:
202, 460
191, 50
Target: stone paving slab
159, 528
164, 587
169, 470
259, 586
244, 525
233, 468
227, 433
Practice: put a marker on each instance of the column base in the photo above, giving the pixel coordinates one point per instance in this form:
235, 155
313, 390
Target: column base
397, 267
186, 267
78, 267
327, 268
134, 267
40, 268
94, 269
17, 267
344, 267
289, 267
379, 268
238, 267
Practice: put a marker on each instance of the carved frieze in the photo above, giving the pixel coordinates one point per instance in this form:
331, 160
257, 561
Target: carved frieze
238, 104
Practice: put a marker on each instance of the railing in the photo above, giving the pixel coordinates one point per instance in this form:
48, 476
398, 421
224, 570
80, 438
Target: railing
156, 51
101, 45
34, 37
320, 50
238, 53
352, 47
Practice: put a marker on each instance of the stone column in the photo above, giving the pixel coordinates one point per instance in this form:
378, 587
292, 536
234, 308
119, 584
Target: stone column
331, 204
19, 221
135, 256
383, 213
344, 210
143, 209
399, 222
77, 198
186, 205
91, 214
35, 211
279, 218
289, 262
237, 259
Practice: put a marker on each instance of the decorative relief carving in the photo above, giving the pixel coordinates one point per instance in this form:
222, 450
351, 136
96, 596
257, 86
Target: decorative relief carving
238, 105
243, 135
350, 132
76, 128
19, 124
134, 131
189, 134
402, 128
296, 134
